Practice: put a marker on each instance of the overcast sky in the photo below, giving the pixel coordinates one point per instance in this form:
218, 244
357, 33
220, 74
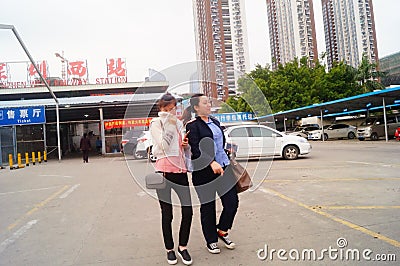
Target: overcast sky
149, 34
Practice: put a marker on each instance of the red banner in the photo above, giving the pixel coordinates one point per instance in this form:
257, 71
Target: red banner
121, 123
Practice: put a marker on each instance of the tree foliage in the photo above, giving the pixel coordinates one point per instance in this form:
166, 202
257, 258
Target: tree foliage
297, 84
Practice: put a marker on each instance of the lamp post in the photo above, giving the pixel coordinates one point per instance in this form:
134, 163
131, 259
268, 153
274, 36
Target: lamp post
14, 30
63, 68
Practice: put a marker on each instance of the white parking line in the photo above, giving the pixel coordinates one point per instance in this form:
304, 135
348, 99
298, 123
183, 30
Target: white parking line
67, 176
377, 163
69, 191
28, 190
16, 235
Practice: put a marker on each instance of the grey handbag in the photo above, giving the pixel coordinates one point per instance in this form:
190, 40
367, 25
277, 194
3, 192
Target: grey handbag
155, 181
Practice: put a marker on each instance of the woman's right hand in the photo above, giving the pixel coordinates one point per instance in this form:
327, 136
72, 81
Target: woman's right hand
217, 168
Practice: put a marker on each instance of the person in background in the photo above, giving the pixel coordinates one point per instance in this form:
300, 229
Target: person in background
168, 147
98, 145
211, 173
85, 147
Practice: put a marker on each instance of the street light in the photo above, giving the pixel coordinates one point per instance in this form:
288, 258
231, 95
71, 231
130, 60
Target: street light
14, 30
63, 61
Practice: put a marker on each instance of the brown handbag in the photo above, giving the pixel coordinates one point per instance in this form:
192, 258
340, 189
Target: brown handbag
243, 180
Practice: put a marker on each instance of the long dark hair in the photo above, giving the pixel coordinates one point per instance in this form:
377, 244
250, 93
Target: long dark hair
187, 113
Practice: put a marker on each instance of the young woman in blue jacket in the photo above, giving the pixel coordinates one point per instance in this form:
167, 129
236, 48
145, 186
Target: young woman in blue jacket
211, 174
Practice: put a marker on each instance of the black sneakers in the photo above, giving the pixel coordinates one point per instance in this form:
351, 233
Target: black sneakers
171, 258
185, 257
213, 248
225, 238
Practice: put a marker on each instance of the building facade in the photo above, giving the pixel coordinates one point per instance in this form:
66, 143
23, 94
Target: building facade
349, 31
221, 44
291, 31
391, 66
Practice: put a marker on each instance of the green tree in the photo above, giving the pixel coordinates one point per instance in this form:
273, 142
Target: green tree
368, 75
293, 85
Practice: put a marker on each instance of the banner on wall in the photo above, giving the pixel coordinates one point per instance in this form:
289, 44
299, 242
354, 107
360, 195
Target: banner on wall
22, 116
122, 123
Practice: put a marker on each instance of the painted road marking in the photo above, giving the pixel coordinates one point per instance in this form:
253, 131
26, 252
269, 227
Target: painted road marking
28, 190
16, 235
69, 191
356, 207
67, 176
332, 179
341, 221
37, 207
374, 164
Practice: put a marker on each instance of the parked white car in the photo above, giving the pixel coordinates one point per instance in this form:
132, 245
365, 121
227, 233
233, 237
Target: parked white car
336, 131
144, 146
302, 131
262, 141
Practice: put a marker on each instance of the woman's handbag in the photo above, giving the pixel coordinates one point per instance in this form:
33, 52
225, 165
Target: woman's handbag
243, 180
155, 181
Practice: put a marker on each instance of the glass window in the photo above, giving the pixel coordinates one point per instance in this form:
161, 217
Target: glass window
261, 132
239, 132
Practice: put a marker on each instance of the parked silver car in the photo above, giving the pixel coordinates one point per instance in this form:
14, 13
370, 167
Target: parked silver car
374, 127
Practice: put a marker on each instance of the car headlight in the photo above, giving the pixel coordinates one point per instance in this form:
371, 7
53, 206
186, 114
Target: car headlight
303, 140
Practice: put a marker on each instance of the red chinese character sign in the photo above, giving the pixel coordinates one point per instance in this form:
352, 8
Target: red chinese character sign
116, 71
4, 73
33, 76
78, 71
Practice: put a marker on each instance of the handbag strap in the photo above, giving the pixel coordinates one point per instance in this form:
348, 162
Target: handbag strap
148, 152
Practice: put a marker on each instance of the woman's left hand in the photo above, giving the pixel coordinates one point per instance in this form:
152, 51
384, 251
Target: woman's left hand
185, 142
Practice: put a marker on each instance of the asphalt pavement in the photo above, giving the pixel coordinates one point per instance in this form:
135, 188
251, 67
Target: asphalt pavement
338, 205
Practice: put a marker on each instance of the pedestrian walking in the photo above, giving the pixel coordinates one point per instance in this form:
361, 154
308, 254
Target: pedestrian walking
168, 147
211, 174
85, 147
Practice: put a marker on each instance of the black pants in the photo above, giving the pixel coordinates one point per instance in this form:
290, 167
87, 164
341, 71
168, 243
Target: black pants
207, 184
85, 155
178, 182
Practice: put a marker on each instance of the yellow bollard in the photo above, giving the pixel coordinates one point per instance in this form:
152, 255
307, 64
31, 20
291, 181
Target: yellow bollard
26, 159
10, 161
20, 165
44, 156
39, 159
33, 158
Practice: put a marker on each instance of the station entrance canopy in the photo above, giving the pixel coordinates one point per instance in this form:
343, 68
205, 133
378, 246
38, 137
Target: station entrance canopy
371, 101
86, 108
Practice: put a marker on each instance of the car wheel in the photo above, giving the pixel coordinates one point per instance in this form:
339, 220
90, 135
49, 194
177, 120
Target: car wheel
151, 156
351, 135
290, 152
374, 136
138, 155
325, 136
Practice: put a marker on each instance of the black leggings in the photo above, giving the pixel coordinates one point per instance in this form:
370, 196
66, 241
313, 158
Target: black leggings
179, 182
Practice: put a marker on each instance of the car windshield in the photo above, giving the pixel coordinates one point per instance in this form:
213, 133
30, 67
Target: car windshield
368, 122
298, 129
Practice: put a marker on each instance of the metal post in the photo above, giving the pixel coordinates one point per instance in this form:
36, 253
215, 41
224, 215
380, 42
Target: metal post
284, 124
102, 132
322, 126
384, 118
11, 27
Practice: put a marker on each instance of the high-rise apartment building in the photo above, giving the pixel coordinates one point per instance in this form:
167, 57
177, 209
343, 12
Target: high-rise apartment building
221, 38
349, 31
291, 30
